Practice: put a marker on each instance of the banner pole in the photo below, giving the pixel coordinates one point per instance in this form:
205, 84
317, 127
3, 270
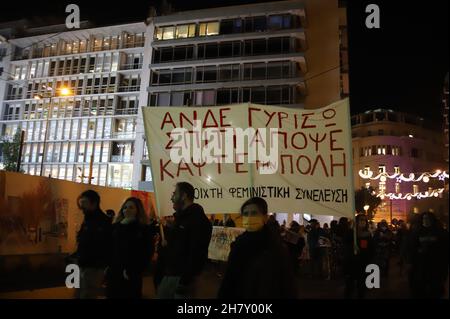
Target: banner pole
250, 164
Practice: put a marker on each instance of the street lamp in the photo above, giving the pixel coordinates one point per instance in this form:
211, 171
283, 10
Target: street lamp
51, 94
366, 208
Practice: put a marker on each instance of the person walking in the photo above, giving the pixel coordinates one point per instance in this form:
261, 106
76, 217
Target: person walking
187, 246
132, 250
258, 263
93, 246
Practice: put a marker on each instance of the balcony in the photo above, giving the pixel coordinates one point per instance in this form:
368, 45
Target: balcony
121, 159
131, 66
123, 135
132, 111
136, 44
133, 88
14, 97
11, 117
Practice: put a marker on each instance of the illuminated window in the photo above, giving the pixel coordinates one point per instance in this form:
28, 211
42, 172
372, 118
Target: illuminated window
396, 150
181, 32
168, 33
366, 151
191, 31
397, 187
159, 33
397, 169
209, 28
366, 170
381, 150
185, 31
416, 210
415, 189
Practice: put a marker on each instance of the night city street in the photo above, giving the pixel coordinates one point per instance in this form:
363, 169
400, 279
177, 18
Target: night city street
266, 152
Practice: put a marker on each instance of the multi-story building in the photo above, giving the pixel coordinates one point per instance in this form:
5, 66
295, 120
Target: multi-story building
394, 142
100, 68
279, 53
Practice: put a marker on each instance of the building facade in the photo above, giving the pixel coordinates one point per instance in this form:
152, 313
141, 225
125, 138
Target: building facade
280, 53
394, 142
101, 69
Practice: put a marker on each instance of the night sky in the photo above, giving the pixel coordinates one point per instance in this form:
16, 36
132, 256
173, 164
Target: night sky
400, 66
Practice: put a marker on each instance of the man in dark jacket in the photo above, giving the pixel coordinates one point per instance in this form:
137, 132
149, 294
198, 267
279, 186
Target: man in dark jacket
94, 241
187, 246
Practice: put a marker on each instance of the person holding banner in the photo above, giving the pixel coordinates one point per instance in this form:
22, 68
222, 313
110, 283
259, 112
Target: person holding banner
187, 246
258, 263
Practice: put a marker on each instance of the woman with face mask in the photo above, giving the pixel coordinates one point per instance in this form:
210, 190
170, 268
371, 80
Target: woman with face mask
132, 251
258, 263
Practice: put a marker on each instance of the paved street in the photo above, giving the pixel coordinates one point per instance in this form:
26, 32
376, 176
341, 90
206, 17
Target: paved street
393, 287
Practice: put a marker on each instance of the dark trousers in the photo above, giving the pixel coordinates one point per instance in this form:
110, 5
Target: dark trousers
316, 263
355, 279
426, 284
120, 288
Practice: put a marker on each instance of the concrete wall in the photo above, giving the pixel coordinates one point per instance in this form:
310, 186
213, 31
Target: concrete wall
31, 204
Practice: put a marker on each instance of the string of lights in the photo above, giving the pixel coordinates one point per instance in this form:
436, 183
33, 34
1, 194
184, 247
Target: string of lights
425, 177
409, 196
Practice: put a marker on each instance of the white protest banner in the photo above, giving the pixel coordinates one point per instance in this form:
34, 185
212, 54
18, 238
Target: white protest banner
221, 239
298, 160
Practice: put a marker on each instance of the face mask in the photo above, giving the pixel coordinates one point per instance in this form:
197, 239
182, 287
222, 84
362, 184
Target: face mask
253, 223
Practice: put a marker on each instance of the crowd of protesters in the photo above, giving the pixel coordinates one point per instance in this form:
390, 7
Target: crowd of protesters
115, 251
420, 248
